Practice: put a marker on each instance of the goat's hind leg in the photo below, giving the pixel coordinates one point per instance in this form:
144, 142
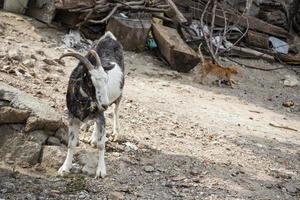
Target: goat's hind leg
101, 136
116, 126
74, 124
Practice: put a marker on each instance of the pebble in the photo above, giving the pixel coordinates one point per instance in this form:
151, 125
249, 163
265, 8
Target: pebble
149, 168
291, 188
76, 168
53, 141
195, 171
130, 146
288, 103
83, 195
10, 162
115, 196
8, 187
29, 63
49, 62
15, 54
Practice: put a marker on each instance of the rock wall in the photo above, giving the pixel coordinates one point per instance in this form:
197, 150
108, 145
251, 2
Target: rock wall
26, 124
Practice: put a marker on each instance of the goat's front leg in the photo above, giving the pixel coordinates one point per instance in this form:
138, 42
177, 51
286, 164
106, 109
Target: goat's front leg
74, 124
116, 127
94, 137
101, 136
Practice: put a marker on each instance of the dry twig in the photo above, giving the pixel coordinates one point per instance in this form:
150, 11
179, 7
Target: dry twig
283, 127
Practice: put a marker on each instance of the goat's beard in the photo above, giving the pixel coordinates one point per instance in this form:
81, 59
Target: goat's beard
93, 106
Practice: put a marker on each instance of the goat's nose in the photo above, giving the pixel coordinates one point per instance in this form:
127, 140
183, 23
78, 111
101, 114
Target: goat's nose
104, 106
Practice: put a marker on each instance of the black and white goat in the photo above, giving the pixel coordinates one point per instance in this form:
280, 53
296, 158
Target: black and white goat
96, 83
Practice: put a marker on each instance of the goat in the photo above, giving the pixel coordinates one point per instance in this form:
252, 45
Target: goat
96, 83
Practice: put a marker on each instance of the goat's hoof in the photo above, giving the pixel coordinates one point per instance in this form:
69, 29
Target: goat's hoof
63, 171
101, 174
117, 137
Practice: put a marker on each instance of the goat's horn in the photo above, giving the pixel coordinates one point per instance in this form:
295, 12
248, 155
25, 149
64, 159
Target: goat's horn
96, 56
81, 58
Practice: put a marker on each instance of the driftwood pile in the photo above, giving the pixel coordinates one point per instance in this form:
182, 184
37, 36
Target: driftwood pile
246, 28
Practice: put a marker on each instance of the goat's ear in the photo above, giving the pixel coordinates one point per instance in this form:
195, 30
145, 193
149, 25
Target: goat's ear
108, 67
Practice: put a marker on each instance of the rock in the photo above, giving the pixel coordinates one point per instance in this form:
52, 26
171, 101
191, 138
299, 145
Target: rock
15, 54
195, 171
29, 63
7, 187
49, 62
53, 156
291, 81
42, 116
76, 168
83, 195
36, 123
62, 134
149, 168
269, 185
61, 62
292, 187
130, 146
115, 196
288, 103
29, 153
9, 115
39, 137
89, 170
281, 173
89, 161
16, 149
53, 141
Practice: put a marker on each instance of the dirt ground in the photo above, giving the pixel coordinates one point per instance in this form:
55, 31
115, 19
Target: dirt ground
190, 141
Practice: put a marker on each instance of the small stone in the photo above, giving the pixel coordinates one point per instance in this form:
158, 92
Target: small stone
15, 54
89, 170
76, 168
288, 103
83, 195
33, 57
40, 52
149, 168
291, 81
62, 134
268, 185
53, 141
130, 147
291, 188
6, 67
195, 171
116, 196
29, 63
10, 162
7, 187
49, 62
281, 173
61, 62
38, 136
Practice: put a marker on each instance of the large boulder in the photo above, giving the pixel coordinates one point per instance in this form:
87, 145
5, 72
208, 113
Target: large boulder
53, 156
9, 115
42, 116
16, 148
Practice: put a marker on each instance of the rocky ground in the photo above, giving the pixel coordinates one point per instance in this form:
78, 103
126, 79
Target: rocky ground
181, 140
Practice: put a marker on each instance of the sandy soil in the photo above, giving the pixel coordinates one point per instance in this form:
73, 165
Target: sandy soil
194, 141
